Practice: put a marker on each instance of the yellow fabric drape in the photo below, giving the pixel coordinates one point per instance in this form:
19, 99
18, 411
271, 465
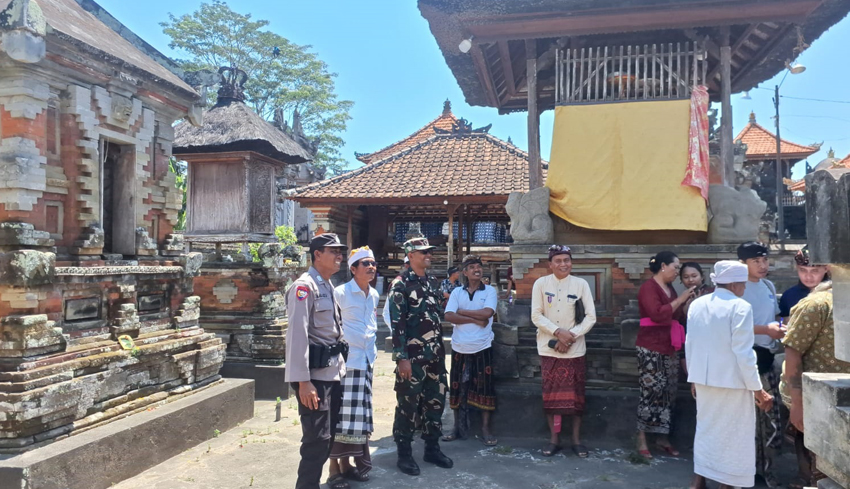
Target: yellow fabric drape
620, 166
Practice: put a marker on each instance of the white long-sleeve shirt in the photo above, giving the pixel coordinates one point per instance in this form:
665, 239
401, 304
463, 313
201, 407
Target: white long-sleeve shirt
553, 306
719, 344
359, 323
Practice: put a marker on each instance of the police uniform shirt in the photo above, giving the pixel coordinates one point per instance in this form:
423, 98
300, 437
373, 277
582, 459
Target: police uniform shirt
313, 319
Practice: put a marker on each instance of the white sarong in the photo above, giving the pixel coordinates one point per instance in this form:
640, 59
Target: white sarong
724, 444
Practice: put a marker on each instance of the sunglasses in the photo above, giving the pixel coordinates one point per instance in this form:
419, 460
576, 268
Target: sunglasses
368, 263
426, 252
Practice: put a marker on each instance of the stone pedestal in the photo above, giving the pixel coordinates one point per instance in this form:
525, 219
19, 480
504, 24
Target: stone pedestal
245, 306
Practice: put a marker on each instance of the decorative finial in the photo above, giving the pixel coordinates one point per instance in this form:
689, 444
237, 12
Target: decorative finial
831, 153
447, 107
510, 141
232, 81
752, 117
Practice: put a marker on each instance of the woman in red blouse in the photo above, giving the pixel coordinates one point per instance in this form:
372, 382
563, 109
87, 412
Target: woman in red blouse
658, 337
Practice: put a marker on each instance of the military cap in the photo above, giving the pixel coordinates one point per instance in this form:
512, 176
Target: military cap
417, 244
326, 240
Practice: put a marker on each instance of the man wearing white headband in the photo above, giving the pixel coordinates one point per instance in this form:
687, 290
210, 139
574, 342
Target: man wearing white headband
358, 302
722, 369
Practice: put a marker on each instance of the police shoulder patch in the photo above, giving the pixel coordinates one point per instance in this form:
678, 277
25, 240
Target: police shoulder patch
301, 292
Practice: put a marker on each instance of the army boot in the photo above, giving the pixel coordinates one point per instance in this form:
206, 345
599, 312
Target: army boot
405, 463
434, 456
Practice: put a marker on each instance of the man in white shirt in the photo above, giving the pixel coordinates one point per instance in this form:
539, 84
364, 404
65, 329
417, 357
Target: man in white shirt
358, 304
471, 308
760, 293
554, 299
722, 368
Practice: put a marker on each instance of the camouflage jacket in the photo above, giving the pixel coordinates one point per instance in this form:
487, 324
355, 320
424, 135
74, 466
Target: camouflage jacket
416, 318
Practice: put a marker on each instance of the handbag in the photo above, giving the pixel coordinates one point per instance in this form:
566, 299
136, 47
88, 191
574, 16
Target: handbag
580, 314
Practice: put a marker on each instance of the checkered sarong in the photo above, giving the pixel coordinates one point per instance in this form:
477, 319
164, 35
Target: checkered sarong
355, 415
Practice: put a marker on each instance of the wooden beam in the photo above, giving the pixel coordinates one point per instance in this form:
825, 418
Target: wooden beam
451, 209
758, 58
348, 236
469, 229
534, 168
507, 67
668, 16
460, 234
483, 70
727, 152
738, 43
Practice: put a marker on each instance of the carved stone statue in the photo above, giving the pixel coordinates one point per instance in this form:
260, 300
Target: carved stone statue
736, 215
530, 221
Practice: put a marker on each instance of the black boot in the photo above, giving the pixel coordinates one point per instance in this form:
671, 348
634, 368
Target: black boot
434, 456
405, 463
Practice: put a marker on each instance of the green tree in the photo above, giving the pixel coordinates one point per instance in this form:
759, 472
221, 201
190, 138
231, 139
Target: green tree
178, 168
281, 74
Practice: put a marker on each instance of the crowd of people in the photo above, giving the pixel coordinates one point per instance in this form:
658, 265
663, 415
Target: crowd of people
724, 338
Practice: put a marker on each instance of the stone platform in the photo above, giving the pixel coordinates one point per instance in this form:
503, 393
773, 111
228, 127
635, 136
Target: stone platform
104, 456
269, 383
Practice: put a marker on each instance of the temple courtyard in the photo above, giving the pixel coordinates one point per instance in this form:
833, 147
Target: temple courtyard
262, 453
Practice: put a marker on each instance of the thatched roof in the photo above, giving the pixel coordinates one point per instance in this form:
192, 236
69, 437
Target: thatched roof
451, 21
235, 127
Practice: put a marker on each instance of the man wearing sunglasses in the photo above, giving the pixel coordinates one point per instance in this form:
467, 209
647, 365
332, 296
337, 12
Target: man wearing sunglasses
358, 302
315, 356
416, 316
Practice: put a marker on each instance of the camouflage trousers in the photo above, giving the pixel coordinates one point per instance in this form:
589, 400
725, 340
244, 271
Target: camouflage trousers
424, 395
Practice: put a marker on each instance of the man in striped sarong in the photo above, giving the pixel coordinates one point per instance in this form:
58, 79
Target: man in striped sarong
358, 302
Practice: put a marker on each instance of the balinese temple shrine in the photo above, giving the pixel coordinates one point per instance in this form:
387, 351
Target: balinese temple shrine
759, 172
449, 181
98, 315
633, 169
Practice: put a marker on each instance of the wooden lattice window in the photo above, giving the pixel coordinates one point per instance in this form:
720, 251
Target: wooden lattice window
629, 73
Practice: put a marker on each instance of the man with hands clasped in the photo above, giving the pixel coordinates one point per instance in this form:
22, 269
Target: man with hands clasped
554, 300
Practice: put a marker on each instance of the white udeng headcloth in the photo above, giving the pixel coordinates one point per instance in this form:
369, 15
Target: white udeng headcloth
359, 254
729, 272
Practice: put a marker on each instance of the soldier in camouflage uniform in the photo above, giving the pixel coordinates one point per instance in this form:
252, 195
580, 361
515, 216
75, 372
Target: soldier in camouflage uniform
420, 386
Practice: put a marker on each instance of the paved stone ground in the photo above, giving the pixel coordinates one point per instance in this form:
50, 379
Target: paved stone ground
263, 454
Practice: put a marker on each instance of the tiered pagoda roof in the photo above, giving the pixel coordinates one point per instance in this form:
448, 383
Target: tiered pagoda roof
761, 144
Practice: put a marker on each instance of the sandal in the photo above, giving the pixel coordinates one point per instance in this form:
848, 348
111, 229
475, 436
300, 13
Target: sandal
551, 450
489, 440
580, 450
451, 437
337, 481
669, 449
645, 453
353, 474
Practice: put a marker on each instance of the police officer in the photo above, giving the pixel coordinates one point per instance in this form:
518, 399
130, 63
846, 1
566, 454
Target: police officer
420, 386
315, 356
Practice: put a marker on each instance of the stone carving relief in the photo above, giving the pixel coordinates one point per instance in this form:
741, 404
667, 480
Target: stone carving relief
735, 215
530, 220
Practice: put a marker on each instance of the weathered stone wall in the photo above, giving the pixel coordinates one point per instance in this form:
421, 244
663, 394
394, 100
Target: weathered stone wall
62, 366
244, 304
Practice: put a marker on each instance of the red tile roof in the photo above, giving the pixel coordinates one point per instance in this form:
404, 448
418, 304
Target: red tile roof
761, 143
475, 165
445, 122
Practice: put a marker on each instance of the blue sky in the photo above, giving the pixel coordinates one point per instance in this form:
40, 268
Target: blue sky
389, 64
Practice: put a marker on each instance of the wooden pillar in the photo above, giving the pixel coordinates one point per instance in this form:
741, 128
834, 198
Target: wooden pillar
727, 152
460, 234
535, 172
469, 229
348, 237
451, 211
